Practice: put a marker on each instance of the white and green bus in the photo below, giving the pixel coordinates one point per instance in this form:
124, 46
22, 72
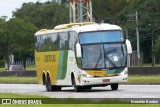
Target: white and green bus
82, 55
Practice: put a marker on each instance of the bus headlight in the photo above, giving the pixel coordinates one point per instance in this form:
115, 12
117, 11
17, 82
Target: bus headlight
87, 75
123, 73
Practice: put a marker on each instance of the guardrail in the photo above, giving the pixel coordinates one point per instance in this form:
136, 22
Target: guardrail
144, 70
18, 73
132, 71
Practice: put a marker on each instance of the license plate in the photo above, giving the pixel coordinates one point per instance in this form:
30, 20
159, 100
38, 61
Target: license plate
106, 80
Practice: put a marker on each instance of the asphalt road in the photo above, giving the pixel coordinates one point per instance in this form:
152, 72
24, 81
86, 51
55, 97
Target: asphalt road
125, 91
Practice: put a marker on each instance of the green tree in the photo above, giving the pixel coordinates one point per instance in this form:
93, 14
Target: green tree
16, 35
44, 15
7, 42
104, 9
24, 38
157, 49
148, 12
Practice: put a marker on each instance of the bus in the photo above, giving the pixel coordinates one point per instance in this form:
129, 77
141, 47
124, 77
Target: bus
82, 55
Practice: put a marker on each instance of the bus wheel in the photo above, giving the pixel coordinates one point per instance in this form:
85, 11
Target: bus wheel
114, 86
76, 88
48, 84
50, 87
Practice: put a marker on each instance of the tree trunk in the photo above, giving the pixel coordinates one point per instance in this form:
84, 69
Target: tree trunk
153, 51
7, 60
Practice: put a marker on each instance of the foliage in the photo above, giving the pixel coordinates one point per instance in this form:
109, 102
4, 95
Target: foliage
43, 15
157, 48
16, 35
122, 12
24, 38
107, 9
148, 23
51, 13
2, 62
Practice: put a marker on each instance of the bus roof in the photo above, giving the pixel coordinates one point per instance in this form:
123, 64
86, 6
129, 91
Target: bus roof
80, 27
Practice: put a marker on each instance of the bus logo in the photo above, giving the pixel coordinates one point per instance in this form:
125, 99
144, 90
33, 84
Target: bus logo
50, 58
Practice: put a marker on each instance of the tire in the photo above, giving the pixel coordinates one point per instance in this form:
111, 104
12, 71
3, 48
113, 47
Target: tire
50, 87
48, 84
114, 86
76, 88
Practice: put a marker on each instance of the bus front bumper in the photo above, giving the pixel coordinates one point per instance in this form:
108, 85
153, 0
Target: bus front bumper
103, 80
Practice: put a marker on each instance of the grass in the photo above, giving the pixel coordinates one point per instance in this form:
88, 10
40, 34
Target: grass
84, 105
32, 67
2, 69
149, 65
144, 79
10, 95
18, 80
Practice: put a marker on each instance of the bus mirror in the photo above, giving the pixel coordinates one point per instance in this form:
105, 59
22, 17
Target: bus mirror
129, 47
78, 50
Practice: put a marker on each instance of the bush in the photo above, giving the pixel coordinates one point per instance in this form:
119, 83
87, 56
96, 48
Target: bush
2, 63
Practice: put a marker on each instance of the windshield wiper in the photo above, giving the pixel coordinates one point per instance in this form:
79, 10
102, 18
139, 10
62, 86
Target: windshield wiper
114, 65
106, 56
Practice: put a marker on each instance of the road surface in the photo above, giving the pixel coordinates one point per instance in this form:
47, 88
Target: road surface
125, 91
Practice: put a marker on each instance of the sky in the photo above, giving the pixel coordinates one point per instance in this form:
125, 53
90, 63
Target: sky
7, 6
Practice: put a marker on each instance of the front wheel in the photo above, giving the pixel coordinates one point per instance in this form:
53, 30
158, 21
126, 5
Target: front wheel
76, 88
114, 86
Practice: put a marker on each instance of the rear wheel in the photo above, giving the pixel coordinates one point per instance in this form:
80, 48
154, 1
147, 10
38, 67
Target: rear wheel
76, 88
114, 86
50, 87
48, 84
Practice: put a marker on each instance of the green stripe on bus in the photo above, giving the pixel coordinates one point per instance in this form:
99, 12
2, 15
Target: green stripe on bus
62, 65
115, 71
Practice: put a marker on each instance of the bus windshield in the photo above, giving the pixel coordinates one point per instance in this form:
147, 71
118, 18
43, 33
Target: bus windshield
103, 50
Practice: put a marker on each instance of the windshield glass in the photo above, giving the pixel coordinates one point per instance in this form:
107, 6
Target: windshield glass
101, 52
103, 56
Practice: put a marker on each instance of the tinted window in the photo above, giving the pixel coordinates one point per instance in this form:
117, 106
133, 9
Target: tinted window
57, 41
99, 37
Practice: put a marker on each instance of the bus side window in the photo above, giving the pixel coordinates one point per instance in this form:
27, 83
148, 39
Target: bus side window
38, 43
71, 40
35, 41
64, 43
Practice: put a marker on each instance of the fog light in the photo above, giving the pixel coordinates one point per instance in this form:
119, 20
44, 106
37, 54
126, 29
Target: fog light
87, 75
